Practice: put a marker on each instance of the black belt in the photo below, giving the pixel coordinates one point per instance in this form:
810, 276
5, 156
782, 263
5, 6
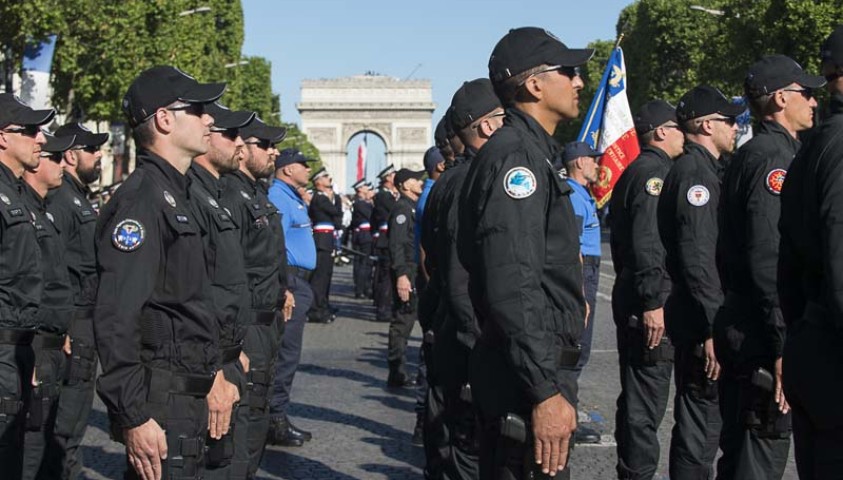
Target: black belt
230, 354
83, 313
16, 337
180, 383
48, 341
300, 272
263, 317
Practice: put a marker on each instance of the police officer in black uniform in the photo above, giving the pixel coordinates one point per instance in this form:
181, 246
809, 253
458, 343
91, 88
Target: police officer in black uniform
54, 315
518, 240
265, 258
810, 266
326, 215
383, 203
361, 238
404, 265
475, 113
687, 219
227, 454
640, 291
76, 220
21, 275
155, 324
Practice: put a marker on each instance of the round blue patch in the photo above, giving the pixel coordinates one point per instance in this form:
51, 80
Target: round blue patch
519, 183
128, 235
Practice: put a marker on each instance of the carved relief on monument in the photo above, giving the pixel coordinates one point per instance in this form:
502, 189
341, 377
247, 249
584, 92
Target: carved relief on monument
322, 135
412, 135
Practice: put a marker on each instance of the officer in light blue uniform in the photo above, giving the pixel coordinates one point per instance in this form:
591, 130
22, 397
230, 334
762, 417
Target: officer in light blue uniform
292, 172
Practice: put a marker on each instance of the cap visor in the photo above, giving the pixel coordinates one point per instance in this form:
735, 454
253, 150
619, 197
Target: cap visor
811, 81
732, 110
277, 134
203, 93
230, 119
91, 139
57, 144
34, 117
573, 57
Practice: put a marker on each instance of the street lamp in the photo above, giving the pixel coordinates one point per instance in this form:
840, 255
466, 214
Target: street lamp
204, 9
710, 11
237, 64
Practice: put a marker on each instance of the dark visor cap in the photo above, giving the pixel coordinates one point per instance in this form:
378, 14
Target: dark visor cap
832, 48
706, 100
575, 150
14, 112
257, 129
471, 102
160, 86
227, 118
57, 144
524, 48
775, 72
652, 115
289, 156
405, 174
84, 136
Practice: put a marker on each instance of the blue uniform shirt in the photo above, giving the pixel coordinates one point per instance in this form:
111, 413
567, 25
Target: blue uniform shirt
298, 231
428, 184
586, 211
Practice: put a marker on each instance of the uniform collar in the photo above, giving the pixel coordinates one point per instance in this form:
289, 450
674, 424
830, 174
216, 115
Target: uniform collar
405, 198
769, 127
206, 179
34, 198
9, 178
246, 181
288, 189
697, 150
836, 106
524, 122
77, 186
174, 178
577, 186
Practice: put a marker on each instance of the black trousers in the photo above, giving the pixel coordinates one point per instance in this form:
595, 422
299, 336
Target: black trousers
813, 383
696, 411
228, 457
43, 452
77, 396
16, 362
463, 459
261, 345
363, 270
383, 285
751, 450
403, 319
436, 437
502, 458
321, 284
641, 405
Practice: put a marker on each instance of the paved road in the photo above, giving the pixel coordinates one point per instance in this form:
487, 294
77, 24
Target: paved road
362, 431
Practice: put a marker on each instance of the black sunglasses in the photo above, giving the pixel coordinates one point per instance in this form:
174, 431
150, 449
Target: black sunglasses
196, 109
87, 148
229, 133
730, 121
569, 72
26, 130
807, 93
262, 144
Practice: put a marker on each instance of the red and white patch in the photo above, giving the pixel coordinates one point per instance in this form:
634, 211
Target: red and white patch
775, 180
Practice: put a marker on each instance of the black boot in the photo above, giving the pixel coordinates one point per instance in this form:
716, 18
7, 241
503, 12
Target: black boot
418, 432
281, 434
303, 434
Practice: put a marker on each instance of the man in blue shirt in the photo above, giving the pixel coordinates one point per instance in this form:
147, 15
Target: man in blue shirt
292, 172
434, 164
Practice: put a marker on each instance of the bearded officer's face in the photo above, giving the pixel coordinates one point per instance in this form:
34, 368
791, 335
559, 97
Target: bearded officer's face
225, 149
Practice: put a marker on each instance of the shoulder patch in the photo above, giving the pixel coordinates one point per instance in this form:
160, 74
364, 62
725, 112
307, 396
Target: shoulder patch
654, 186
213, 202
128, 235
5, 199
169, 198
775, 180
519, 183
77, 202
698, 195
51, 218
400, 219
245, 195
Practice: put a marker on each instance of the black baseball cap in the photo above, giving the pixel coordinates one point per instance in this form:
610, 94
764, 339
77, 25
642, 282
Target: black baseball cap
441, 134
84, 137
257, 129
57, 144
405, 174
386, 171
472, 101
653, 114
832, 47
432, 158
227, 118
289, 156
575, 150
527, 47
160, 86
774, 72
14, 111
705, 100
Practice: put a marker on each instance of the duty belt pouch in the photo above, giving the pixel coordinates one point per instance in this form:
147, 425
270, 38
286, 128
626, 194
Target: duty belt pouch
761, 414
219, 453
703, 387
35, 413
158, 395
661, 354
82, 365
185, 453
517, 433
258, 388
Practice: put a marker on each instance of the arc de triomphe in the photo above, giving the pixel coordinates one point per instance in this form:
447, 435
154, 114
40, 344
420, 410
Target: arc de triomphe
398, 111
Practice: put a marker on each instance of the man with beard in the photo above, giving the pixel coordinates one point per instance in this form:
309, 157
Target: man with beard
20, 276
154, 322
228, 453
326, 215
687, 218
54, 315
76, 221
265, 260
361, 238
291, 175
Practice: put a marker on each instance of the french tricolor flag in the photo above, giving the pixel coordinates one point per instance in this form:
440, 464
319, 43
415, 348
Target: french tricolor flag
361, 159
35, 81
609, 128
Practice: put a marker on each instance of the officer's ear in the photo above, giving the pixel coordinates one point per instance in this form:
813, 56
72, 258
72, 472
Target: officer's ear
164, 120
68, 158
533, 86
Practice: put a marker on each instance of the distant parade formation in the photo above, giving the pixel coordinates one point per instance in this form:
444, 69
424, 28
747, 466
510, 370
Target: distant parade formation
182, 299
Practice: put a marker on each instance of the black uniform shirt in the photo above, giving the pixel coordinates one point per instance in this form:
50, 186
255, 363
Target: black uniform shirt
262, 240
687, 215
20, 257
384, 201
518, 239
223, 255
361, 222
76, 221
811, 226
402, 249
326, 217
749, 234
56, 307
154, 305
637, 252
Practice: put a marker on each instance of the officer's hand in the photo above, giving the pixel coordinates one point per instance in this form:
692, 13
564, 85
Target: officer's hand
289, 305
146, 446
587, 313
403, 286
653, 327
554, 421
712, 367
784, 407
66, 348
34, 378
244, 361
220, 402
